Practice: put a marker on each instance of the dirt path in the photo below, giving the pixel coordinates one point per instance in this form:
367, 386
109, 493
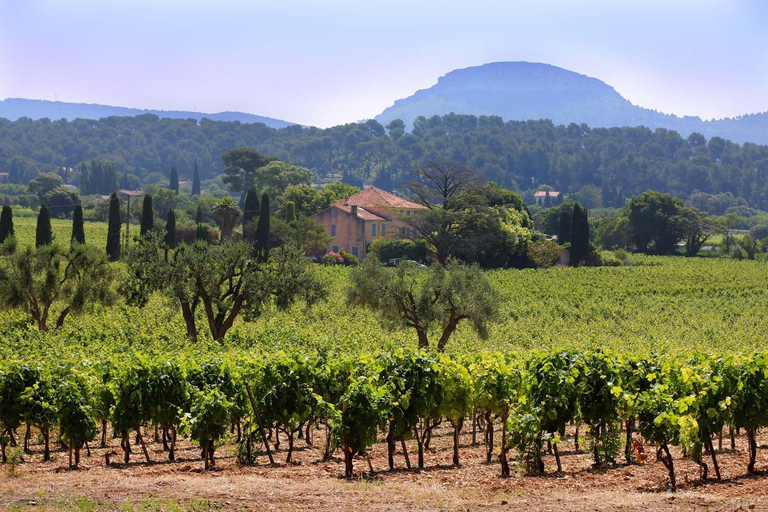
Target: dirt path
310, 484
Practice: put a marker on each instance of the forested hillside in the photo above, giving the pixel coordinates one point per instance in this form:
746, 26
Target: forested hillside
517, 155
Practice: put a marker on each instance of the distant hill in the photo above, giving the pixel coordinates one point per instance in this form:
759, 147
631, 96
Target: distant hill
14, 108
520, 91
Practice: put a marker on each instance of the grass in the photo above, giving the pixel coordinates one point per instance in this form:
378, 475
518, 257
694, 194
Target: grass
24, 229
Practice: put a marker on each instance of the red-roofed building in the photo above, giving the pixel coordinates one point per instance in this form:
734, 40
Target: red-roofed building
357, 220
541, 196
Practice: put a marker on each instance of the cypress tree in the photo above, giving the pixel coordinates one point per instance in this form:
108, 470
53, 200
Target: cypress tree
6, 223
580, 235
201, 234
250, 213
174, 181
564, 229
43, 233
170, 229
147, 216
78, 229
289, 212
199, 215
113, 229
196, 180
261, 248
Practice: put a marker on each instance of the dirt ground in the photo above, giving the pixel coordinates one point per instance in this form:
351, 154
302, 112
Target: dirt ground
310, 484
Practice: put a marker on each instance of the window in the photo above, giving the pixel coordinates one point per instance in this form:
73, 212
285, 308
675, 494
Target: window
407, 232
333, 214
373, 229
335, 248
354, 251
407, 213
333, 229
383, 229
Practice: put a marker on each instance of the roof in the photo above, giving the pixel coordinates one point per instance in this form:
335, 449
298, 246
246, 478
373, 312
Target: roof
373, 197
362, 213
543, 193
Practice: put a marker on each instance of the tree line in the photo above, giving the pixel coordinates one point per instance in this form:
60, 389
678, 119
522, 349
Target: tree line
516, 155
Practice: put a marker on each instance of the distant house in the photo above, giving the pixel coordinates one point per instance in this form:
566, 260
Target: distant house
4, 176
356, 221
540, 197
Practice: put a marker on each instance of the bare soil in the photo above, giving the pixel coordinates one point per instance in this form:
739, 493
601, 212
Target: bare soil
311, 484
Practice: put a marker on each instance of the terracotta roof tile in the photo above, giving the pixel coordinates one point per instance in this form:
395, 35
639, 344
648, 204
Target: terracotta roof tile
373, 197
361, 212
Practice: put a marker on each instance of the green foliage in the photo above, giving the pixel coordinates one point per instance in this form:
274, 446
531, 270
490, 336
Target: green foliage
170, 230
240, 167
43, 233
78, 228
196, 180
421, 299
147, 216
250, 214
262, 242
386, 249
173, 182
34, 279
6, 224
652, 221
113, 228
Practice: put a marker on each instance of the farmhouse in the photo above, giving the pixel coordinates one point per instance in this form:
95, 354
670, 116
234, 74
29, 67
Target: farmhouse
355, 221
541, 197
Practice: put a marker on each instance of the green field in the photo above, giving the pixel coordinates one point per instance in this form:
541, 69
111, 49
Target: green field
24, 229
663, 305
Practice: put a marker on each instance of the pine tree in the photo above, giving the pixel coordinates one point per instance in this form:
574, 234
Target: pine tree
196, 180
250, 213
43, 233
6, 223
147, 216
113, 229
261, 248
170, 230
174, 181
199, 215
78, 229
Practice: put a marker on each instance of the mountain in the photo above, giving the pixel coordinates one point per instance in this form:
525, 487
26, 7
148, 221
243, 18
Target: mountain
14, 108
520, 91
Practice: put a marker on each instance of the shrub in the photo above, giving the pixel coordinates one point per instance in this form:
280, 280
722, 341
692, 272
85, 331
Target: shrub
387, 249
348, 259
333, 258
544, 253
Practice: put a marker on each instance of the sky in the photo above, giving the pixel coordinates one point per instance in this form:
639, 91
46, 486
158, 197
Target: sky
327, 62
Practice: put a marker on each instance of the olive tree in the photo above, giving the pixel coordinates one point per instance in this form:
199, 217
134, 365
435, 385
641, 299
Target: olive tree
431, 299
73, 279
223, 279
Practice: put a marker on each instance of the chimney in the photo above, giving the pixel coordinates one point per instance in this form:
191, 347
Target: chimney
354, 210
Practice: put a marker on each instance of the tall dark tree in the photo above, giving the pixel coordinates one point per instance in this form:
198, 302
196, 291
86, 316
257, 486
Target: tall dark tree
174, 181
196, 180
250, 213
43, 233
147, 216
199, 215
579, 235
289, 212
113, 228
261, 247
78, 228
6, 223
170, 230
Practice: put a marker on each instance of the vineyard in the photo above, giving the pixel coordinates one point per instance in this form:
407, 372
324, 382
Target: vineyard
660, 365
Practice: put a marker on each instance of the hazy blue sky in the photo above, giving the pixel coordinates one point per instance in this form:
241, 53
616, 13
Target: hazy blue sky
325, 62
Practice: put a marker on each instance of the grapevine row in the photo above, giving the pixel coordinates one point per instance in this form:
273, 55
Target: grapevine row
399, 395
